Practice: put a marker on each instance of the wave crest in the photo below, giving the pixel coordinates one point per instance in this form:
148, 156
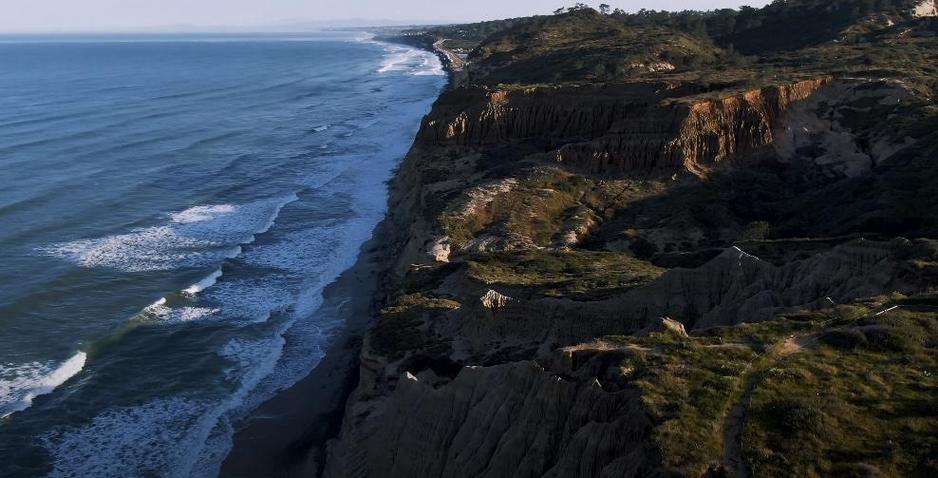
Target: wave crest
20, 384
196, 237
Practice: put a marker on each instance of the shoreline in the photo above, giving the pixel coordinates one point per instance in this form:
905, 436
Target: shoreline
288, 434
285, 435
454, 67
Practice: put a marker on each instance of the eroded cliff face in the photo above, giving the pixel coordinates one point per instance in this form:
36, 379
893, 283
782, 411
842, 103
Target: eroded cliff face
508, 420
521, 340
616, 130
732, 288
844, 127
718, 130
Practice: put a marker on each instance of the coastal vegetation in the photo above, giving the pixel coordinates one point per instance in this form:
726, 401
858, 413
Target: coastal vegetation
574, 274
807, 382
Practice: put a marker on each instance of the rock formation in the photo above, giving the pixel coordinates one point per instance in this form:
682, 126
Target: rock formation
616, 130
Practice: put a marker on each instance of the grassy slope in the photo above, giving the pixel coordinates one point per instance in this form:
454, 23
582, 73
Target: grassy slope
864, 398
862, 389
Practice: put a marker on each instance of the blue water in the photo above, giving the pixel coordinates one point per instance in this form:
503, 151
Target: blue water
171, 209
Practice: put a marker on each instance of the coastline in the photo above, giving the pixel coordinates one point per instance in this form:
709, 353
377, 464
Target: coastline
287, 435
284, 435
455, 67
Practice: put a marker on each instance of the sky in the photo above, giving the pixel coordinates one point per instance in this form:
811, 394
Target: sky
134, 15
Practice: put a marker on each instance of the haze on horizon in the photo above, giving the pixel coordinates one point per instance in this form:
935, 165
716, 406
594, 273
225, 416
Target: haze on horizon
61, 16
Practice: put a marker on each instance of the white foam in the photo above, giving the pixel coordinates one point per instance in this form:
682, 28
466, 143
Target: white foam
255, 360
398, 59
20, 384
307, 341
196, 237
126, 441
252, 300
203, 284
165, 437
301, 251
431, 67
202, 213
411, 60
180, 315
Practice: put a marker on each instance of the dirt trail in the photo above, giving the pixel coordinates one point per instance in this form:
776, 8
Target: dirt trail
735, 421
795, 344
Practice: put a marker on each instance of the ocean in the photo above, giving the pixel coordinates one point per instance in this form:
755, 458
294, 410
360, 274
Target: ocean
171, 209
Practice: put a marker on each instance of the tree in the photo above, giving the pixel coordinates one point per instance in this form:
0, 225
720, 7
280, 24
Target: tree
559, 11
604, 8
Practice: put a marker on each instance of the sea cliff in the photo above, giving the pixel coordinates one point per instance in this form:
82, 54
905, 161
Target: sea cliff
695, 271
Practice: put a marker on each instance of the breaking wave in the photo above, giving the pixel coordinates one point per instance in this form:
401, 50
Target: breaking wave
20, 384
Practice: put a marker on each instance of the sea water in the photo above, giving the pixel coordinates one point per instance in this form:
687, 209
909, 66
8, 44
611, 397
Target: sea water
171, 209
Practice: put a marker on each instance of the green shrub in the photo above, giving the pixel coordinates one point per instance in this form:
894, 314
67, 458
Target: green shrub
846, 339
795, 416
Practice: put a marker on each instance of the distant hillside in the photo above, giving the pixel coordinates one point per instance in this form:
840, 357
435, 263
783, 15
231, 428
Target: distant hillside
467, 37
786, 40
584, 45
781, 25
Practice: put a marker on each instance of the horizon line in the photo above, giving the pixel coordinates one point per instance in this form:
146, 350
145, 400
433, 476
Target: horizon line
280, 26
